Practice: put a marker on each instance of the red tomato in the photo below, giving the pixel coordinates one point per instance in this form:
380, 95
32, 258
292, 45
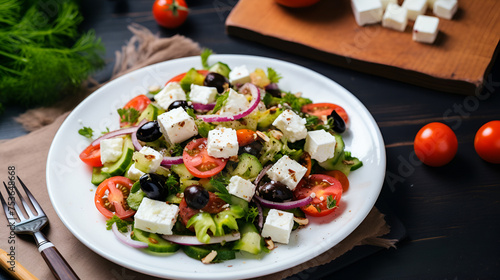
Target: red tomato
139, 103
297, 3
179, 77
245, 136
487, 142
92, 155
328, 192
170, 13
111, 197
435, 144
324, 109
339, 175
198, 162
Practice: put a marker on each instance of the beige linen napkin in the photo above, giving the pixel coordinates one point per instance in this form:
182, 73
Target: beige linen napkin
27, 155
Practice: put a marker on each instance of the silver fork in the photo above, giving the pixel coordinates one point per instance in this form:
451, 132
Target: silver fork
32, 225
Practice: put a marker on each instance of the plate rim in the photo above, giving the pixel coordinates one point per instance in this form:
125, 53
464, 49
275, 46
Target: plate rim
365, 210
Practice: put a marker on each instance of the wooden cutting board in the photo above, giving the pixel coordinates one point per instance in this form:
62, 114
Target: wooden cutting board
459, 61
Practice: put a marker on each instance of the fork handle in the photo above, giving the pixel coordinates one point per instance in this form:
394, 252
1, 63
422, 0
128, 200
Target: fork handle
58, 265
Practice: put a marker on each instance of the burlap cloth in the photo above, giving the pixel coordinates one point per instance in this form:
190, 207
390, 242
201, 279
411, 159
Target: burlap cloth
28, 155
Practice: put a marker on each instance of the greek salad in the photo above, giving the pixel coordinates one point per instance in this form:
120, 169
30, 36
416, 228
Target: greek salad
219, 161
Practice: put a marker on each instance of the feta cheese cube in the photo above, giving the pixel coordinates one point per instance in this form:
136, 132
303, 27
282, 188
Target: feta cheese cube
320, 145
147, 159
170, 93
425, 29
291, 125
415, 8
395, 17
241, 188
445, 8
202, 94
239, 75
111, 149
278, 226
222, 142
386, 3
177, 126
367, 11
156, 216
133, 173
287, 171
235, 103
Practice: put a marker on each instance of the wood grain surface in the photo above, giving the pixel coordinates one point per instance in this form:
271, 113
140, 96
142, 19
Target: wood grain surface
457, 62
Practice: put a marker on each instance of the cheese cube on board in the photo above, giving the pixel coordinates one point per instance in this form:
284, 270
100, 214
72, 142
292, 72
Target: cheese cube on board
111, 149
445, 8
177, 126
156, 216
425, 29
395, 17
222, 142
320, 145
241, 188
367, 11
415, 8
278, 226
287, 171
170, 93
386, 3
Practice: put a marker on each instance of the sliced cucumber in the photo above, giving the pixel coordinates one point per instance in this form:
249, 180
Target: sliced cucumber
199, 252
119, 167
192, 77
347, 163
150, 113
98, 176
248, 167
181, 170
266, 118
330, 163
220, 68
155, 242
250, 240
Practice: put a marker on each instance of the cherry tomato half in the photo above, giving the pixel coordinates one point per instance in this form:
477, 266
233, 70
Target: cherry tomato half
198, 162
487, 142
92, 155
297, 3
435, 144
179, 77
245, 136
327, 190
170, 13
324, 109
139, 103
339, 175
111, 197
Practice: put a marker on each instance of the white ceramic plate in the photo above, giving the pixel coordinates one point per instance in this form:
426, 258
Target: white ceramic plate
68, 178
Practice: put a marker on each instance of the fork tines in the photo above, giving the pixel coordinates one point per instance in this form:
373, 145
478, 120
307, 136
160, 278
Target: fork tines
11, 202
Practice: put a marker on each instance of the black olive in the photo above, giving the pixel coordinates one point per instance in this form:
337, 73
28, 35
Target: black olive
196, 196
275, 191
149, 132
338, 122
179, 104
153, 186
273, 90
216, 80
253, 148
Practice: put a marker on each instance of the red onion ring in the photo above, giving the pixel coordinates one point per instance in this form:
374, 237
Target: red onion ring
135, 141
167, 161
254, 90
126, 239
261, 175
260, 218
284, 205
119, 132
192, 240
203, 107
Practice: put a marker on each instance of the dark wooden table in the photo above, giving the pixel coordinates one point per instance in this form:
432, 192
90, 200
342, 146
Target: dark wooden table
451, 214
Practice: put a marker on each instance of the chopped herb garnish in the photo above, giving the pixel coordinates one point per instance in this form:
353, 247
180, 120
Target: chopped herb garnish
172, 184
86, 131
129, 115
221, 101
273, 76
177, 150
121, 224
220, 184
330, 202
106, 131
252, 213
